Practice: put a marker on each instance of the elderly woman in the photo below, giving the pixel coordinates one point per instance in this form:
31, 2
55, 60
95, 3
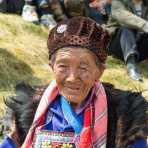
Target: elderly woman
73, 109
76, 109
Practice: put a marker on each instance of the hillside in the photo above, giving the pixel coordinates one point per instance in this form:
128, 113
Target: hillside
23, 53
24, 57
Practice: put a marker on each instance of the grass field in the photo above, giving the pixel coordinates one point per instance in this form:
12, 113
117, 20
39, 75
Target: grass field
24, 57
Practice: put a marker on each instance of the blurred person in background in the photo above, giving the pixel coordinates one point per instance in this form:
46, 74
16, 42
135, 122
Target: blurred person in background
129, 28
65, 9
11, 6
38, 11
98, 10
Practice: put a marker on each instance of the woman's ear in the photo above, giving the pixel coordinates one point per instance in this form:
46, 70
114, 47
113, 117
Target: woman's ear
100, 71
50, 64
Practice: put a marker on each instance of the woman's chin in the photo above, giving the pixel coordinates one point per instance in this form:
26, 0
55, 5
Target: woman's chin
73, 99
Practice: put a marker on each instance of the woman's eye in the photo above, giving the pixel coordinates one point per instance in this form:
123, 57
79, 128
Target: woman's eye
62, 66
83, 68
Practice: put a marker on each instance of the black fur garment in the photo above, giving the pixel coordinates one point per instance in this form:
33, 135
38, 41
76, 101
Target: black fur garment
128, 117
23, 106
127, 113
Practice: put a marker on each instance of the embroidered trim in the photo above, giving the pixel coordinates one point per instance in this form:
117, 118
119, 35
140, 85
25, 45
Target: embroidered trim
47, 139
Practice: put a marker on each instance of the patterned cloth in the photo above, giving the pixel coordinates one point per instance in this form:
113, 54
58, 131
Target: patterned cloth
94, 134
49, 139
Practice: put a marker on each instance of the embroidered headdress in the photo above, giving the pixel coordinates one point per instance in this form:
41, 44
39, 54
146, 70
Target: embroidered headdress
82, 32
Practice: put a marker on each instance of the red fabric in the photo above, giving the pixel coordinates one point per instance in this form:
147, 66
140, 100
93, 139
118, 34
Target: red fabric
85, 138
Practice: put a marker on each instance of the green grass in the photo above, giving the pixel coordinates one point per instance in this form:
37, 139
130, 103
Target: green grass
24, 57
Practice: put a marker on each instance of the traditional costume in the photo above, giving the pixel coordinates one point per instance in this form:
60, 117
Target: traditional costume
105, 117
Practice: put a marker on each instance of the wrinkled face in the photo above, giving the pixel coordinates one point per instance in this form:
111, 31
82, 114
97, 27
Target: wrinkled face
75, 72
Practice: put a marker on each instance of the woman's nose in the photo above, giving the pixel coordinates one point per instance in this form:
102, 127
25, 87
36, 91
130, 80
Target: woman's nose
72, 76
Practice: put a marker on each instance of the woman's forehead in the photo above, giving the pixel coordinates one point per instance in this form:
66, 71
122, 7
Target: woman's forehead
75, 55
74, 52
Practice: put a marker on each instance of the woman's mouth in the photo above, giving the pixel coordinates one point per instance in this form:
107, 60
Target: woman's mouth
73, 89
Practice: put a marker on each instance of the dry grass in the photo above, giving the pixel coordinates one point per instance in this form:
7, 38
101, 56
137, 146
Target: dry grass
24, 57
23, 52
